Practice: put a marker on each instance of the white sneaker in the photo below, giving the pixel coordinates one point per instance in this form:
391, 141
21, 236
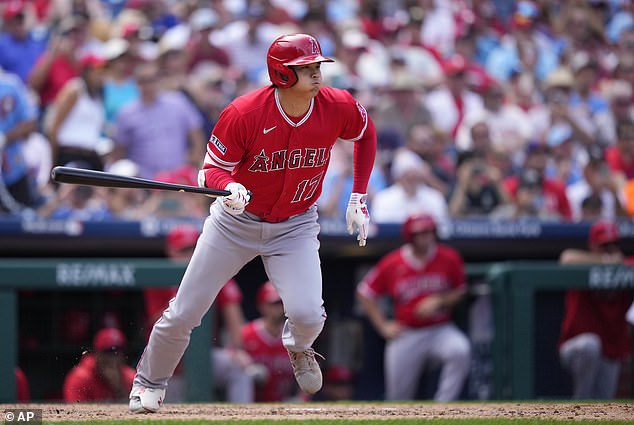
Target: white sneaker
146, 400
307, 371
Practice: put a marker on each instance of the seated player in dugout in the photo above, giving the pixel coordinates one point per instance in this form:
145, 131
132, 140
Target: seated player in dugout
103, 374
595, 336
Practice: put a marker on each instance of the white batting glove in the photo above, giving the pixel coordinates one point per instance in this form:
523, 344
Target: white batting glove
357, 215
234, 204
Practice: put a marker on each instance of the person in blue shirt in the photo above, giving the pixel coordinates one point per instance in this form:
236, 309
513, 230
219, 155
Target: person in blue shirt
18, 119
19, 46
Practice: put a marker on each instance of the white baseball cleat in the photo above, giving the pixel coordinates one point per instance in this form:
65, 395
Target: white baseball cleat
146, 400
306, 370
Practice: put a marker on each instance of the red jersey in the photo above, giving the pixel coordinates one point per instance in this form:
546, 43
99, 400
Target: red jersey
398, 276
601, 313
83, 383
157, 299
283, 160
554, 193
617, 162
269, 351
61, 71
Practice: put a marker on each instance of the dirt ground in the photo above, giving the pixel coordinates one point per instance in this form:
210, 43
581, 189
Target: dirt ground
612, 410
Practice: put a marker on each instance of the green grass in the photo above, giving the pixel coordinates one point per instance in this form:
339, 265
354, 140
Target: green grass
484, 421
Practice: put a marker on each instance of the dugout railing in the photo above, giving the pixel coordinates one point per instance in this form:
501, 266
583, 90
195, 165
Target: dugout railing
514, 287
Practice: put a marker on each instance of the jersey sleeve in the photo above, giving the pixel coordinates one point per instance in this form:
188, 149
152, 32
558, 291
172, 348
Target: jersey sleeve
374, 284
225, 148
359, 128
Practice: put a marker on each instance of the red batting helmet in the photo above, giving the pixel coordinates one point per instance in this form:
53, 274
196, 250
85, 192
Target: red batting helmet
416, 223
289, 50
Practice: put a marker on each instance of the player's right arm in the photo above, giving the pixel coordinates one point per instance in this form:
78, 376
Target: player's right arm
224, 154
367, 294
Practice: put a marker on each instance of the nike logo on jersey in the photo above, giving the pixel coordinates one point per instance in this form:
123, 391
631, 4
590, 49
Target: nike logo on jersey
266, 130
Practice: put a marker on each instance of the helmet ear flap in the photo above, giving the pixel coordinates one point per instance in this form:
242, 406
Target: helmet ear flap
282, 75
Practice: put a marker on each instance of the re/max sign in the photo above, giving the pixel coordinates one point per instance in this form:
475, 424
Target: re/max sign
611, 277
95, 274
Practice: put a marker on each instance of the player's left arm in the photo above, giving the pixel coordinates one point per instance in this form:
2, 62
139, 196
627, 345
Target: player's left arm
357, 215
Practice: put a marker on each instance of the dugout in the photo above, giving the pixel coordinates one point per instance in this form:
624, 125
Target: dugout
34, 299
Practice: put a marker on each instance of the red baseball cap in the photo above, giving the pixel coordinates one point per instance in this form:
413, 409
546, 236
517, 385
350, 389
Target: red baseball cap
109, 339
182, 236
603, 232
13, 9
267, 294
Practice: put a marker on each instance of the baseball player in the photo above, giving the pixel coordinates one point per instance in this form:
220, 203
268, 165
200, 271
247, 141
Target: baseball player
262, 341
595, 337
275, 143
424, 280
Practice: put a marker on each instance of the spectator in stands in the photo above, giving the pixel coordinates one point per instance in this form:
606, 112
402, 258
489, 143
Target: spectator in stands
452, 101
19, 45
598, 183
174, 139
400, 105
101, 376
620, 156
230, 362
200, 49
60, 62
119, 87
595, 336
557, 109
78, 117
529, 200
478, 190
507, 124
549, 195
77, 202
619, 94
18, 187
262, 338
206, 90
567, 158
173, 58
433, 147
409, 193
586, 95
424, 281
524, 46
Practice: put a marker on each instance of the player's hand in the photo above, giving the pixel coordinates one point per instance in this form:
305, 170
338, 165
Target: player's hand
234, 204
390, 330
358, 217
429, 306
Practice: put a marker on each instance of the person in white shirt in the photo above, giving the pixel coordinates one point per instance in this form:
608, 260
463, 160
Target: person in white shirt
408, 194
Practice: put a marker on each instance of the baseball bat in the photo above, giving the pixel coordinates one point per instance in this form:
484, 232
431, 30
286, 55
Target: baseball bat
101, 178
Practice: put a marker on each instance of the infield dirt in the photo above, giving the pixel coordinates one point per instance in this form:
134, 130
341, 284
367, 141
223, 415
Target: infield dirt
361, 410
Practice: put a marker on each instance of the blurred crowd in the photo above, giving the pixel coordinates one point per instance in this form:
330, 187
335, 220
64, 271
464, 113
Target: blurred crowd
483, 108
